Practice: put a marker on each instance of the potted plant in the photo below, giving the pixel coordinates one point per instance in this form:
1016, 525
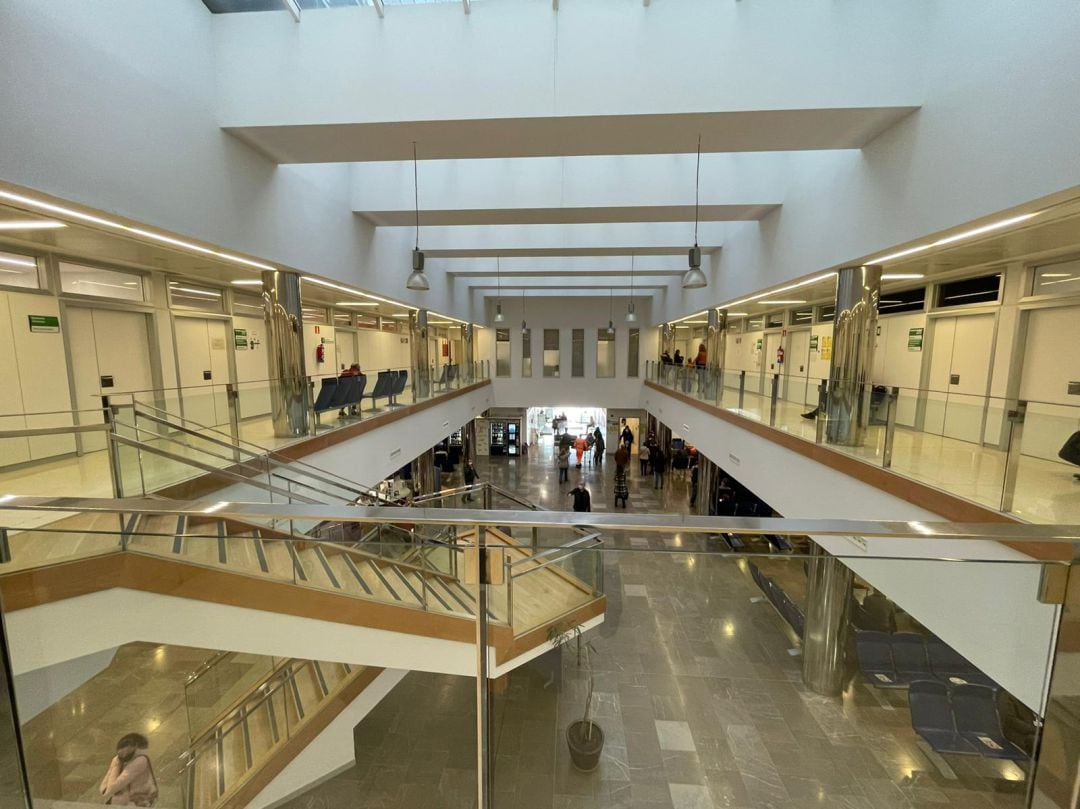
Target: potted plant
584, 737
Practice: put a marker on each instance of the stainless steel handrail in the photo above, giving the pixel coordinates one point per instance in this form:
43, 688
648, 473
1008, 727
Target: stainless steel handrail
469, 518
564, 546
74, 428
542, 565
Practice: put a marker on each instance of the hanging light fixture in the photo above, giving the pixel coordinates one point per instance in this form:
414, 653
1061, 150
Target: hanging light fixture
694, 278
499, 316
611, 312
631, 315
524, 325
417, 280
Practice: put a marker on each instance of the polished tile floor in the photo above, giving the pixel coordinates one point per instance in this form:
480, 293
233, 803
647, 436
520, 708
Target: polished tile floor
698, 691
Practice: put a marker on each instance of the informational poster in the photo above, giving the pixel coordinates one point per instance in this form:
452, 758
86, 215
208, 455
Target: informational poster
757, 345
814, 342
240, 338
914, 339
826, 346
44, 323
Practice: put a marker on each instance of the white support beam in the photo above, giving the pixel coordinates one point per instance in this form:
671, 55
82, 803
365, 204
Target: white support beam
379, 9
467, 6
293, 7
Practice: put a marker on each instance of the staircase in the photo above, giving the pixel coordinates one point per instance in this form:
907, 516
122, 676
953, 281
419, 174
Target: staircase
231, 761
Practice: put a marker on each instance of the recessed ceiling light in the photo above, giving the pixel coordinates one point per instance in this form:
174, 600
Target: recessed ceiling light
902, 276
777, 303
967, 234
32, 224
356, 303
247, 282
1056, 275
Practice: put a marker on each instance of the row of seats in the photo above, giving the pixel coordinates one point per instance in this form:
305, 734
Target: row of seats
339, 393
960, 718
895, 660
788, 609
449, 375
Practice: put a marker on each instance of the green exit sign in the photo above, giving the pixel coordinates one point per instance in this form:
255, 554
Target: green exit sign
45, 323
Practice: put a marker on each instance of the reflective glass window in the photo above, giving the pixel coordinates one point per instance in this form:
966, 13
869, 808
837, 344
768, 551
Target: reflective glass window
551, 352
17, 270
79, 279
605, 353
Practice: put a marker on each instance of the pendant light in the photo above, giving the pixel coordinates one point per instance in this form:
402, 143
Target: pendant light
524, 325
417, 280
499, 316
631, 315
694, 278
611, 312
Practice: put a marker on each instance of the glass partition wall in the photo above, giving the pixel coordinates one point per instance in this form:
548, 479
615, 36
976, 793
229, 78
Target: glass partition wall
505, 658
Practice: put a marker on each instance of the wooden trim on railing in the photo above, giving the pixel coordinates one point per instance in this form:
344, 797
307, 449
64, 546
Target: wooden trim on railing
207, 483
949, 506
30, 588
507, 647
329, 710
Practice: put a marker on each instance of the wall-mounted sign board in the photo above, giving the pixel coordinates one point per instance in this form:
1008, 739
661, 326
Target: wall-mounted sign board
44, 323
914, 339
813, 342
240, 338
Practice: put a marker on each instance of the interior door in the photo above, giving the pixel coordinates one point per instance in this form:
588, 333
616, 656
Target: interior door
110, 354
772, 343
203, 365
345, 340
959, 376
796, 364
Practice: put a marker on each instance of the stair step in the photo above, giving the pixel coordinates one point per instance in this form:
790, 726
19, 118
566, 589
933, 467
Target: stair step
233, 757
279, 560
347, 575
154, 533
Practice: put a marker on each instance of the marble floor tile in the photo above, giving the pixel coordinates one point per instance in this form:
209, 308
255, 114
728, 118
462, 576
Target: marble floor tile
674, 736
690, 796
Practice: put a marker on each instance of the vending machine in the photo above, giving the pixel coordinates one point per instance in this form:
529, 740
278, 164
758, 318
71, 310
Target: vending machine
512, 438
497, 435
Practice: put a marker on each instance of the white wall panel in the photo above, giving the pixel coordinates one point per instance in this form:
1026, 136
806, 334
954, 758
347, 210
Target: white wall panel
1051, 361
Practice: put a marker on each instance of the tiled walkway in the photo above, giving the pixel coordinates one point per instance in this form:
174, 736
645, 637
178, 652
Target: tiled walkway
698, 691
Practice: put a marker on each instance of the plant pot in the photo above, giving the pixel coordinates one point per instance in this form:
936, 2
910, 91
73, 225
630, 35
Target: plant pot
585, 745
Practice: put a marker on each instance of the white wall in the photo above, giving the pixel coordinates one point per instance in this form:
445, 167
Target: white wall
896, 365
33, 366
988, 612
1051, 361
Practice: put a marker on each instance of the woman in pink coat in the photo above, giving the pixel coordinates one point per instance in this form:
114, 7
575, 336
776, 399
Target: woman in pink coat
130, 779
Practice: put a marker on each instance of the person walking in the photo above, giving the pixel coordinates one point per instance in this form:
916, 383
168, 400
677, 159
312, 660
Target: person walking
622, 457
598, 444
622, 491
579, 448
564, 463
627, 436
643, 459
130, 779
582, 498
470, 476
659, 466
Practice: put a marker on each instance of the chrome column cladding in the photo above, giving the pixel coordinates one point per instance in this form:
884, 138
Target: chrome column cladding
715, 347
857, 292
468, 354
418, 351
284, 318
667, 338
828, 600
424, 473
708, 480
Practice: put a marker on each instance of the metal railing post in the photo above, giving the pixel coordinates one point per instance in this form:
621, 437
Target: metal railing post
823, 403
487, 496
742, 388
1016, 419
483, 687
890, 427
232, 399
113, 448
773, 396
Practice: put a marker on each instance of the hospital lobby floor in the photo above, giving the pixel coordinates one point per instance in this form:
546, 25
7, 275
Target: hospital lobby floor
698, 691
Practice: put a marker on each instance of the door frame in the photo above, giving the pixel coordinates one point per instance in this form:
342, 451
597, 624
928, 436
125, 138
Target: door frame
80, 302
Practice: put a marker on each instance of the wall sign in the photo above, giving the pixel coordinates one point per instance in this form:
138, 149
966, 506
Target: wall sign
217, 343
240, 338
914, 339
757, 345
44, 323
826, 346
814, 342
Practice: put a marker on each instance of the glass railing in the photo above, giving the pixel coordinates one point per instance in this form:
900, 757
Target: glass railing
1004, 454
681, 661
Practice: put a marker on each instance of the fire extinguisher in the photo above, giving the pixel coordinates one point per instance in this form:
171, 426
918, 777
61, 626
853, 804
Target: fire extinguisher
780, 355
320, 353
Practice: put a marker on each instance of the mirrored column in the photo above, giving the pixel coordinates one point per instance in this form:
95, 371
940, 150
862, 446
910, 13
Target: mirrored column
418, 344
284, 317
828, 605
858, 290
468, 354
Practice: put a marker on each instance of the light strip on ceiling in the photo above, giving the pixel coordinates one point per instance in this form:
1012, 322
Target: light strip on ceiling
967, 234
330, 285
788, 288
146, 234
17, 262
902, 276
356, 303
247, 282
39, 224
779, 303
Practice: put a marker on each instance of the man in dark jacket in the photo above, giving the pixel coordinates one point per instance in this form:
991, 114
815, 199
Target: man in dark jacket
659, 465
582, 498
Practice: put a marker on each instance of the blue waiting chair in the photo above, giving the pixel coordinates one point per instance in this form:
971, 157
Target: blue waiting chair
932, 718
